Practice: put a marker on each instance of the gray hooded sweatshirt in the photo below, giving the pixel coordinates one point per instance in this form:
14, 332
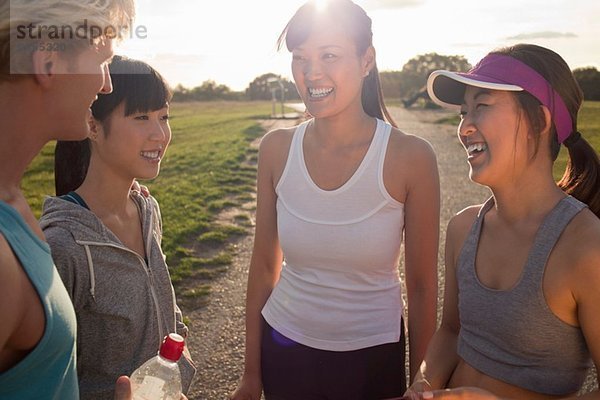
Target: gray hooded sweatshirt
125, 305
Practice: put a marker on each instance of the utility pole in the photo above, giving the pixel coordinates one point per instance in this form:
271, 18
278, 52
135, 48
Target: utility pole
274, 94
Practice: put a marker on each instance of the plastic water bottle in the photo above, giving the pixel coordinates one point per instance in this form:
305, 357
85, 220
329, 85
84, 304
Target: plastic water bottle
159, 377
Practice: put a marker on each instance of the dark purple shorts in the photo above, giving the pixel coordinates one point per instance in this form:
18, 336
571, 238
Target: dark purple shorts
291, 371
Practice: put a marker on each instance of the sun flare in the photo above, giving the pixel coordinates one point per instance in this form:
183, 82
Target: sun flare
321, 4
211, 40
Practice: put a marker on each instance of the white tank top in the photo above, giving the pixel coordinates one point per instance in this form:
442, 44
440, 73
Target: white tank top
339, 288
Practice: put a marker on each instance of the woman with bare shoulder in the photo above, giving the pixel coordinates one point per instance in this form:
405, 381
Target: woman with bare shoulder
336, 196
521, 316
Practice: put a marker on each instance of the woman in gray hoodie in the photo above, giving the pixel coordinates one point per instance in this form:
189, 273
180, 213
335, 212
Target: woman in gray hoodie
105, 238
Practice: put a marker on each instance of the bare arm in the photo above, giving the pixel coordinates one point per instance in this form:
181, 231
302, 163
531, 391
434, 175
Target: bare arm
422, 219
587, 296
441, 358
265, 266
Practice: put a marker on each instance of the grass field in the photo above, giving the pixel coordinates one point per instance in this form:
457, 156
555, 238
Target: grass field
209, 167
588, 124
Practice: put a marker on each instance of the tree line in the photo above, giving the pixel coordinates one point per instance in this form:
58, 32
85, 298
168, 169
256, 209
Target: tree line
407, 84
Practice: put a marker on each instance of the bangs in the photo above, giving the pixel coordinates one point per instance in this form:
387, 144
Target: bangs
144, 92
138, 85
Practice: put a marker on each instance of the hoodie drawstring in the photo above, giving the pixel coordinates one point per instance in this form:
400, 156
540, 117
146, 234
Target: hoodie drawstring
91, 269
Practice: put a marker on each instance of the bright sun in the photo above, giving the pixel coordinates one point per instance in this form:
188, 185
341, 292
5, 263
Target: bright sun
320, 4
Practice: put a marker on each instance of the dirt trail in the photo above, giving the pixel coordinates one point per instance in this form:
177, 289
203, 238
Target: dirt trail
457, 191
217, 330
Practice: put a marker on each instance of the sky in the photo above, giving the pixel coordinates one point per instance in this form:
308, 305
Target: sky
233, 41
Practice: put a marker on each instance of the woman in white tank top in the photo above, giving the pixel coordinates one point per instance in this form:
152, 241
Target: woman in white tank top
335, 197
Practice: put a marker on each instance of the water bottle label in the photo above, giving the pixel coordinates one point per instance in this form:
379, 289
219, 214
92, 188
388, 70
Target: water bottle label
150, 389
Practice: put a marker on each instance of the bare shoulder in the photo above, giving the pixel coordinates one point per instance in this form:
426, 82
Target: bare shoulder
410, 164
410, 148
276, 140
460, 225
580, 246
10, 291
466, 216
273, 152
576, 261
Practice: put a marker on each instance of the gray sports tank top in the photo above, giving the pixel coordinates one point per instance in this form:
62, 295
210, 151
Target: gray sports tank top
512, 335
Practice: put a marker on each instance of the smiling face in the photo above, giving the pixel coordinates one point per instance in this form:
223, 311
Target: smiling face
494, 134
132, 146
329, 73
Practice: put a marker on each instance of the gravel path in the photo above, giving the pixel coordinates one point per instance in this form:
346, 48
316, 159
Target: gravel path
457, 191
217, 330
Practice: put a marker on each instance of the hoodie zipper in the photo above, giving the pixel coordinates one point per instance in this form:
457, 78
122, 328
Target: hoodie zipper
148, 271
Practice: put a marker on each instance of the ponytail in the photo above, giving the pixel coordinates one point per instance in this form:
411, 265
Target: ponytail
71, 162
582, 176
372, 98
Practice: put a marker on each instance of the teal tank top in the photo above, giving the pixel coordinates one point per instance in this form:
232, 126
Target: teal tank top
49, 370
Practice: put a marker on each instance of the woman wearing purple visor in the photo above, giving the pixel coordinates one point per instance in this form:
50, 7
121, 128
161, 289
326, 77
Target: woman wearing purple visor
521, 315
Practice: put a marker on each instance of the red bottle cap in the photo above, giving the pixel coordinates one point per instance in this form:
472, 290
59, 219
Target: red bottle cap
172, 347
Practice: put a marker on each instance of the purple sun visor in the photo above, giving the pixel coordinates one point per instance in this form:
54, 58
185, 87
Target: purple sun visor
500, 72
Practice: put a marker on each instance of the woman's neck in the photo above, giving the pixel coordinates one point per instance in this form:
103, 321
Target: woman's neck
533, 198
21, 138
343, 130
14, 159
106, 194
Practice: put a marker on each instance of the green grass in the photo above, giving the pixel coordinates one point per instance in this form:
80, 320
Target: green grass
588, 124
38, 181
221, 234
203, 173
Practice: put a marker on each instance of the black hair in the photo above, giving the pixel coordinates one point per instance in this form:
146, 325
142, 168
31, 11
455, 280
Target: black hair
582, 175
355, 21
136, 84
